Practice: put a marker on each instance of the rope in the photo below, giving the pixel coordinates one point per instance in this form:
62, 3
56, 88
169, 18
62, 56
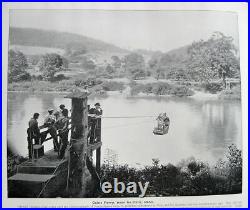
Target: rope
51, 177
114, 117
128, 124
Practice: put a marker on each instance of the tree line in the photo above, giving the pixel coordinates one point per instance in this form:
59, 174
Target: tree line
202, 61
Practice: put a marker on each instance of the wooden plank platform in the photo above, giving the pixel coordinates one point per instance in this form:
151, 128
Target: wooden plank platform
32, 177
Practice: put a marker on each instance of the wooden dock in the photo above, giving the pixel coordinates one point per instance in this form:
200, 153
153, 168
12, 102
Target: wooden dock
47, 175
43, 177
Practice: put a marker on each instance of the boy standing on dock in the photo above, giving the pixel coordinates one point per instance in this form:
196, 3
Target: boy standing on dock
63, 130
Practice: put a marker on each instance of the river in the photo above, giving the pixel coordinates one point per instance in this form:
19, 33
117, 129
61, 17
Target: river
198, 128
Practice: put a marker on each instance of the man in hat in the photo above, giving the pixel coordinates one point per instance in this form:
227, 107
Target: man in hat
50, 123
62, 107
33, 133
98, 110
96, 126
91, 124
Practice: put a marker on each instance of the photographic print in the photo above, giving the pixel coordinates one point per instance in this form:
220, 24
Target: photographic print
123, 103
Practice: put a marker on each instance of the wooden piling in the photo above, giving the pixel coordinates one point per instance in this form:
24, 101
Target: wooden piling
78, 142
98, 151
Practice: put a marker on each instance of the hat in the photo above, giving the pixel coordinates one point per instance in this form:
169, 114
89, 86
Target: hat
50, 110
97, 104
62, 106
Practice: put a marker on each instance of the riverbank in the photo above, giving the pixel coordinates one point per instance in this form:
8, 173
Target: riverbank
189, 177
130, 89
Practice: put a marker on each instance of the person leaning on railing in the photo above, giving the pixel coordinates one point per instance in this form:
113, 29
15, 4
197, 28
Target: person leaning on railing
49, 122
63, 131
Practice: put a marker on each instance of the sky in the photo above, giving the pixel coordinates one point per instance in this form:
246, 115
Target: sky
150, 30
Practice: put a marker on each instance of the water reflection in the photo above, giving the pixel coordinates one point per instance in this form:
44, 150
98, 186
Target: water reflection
202, 129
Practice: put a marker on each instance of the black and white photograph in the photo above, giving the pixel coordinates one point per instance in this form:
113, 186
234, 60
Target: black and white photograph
123, 104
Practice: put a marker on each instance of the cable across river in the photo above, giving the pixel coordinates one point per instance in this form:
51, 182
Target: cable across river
114, 117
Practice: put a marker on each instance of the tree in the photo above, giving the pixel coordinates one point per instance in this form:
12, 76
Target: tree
137, 74
160, 73
134, 65
88, 63
214, 58
109, 69
17, 66
50, 64
116, 61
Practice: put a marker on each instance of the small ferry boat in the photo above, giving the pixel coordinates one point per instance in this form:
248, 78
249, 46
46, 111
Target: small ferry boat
161, 130
163, 124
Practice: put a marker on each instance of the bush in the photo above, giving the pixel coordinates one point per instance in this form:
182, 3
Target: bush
213, 87
59, 77
160, 89
23, 76
112, 86
189, 178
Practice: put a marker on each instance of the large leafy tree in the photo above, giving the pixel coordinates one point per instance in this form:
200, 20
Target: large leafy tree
17, 66
214, 58
50, 64
116, 61
134, 65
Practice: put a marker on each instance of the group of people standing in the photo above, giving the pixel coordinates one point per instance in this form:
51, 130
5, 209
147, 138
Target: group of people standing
57, 123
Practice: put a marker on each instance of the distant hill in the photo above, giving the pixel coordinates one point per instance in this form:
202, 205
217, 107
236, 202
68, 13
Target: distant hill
62, 40
179, 52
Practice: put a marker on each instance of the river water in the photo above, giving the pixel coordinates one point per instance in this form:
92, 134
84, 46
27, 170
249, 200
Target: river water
198, 128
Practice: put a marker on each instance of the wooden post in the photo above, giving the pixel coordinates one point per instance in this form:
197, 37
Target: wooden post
98, 151
78, 142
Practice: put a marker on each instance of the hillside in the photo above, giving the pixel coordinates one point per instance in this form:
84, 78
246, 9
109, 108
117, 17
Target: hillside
62, 40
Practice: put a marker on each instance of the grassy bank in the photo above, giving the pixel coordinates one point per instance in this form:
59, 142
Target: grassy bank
160, 89
101, 87
95, 86
189, 177
233, 94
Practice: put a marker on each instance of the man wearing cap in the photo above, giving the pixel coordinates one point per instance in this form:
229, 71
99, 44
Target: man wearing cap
50, 123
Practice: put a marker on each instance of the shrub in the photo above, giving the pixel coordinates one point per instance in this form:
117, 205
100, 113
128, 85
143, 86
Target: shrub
213, 87
23, 76
191, 177
112, 86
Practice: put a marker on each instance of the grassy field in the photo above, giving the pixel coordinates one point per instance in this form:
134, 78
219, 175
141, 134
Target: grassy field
32, 50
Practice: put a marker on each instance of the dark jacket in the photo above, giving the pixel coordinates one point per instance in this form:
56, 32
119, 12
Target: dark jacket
33, 127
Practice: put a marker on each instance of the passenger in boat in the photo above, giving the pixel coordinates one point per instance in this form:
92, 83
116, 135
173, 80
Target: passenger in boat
49, 122
163, 121
33, 133
63, 130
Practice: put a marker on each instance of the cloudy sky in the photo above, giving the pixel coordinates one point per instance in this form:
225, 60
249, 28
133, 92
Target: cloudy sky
152, 30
